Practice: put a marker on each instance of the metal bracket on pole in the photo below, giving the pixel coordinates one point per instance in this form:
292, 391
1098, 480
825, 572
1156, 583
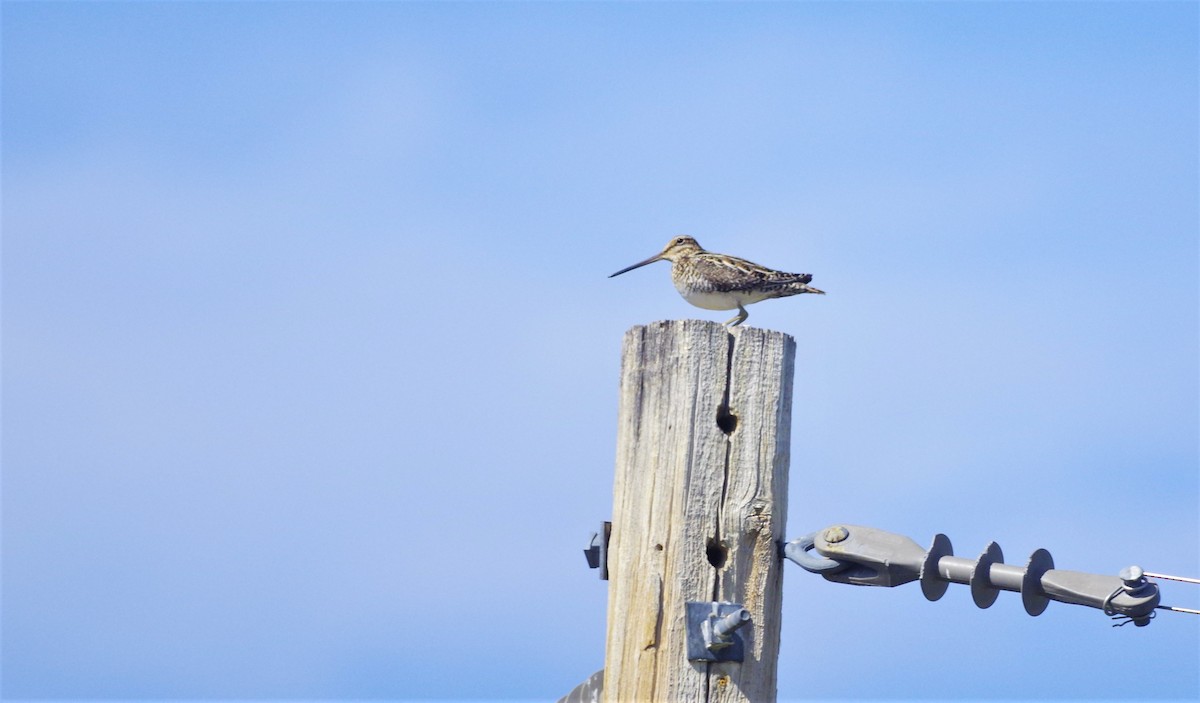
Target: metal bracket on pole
712, 631
596, 552
866, 556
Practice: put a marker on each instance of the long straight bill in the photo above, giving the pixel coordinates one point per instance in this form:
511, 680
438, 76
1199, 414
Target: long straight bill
656, 257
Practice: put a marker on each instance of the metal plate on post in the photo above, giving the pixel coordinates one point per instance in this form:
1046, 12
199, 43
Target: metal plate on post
597, 550
700, 622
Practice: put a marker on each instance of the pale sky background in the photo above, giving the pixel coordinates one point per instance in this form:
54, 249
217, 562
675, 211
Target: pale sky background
310, 358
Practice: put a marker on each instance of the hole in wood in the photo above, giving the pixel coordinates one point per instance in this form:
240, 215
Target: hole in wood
726, 420
716, 553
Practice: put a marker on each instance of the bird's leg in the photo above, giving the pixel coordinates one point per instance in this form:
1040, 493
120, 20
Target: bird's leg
738, 318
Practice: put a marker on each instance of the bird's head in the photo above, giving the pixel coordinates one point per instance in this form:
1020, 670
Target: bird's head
675, 250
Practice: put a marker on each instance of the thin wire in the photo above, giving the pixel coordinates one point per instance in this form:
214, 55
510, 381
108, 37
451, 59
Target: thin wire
1174, 578
1171, 578
1178, 610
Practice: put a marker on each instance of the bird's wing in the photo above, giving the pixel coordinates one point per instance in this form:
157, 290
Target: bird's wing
739, 274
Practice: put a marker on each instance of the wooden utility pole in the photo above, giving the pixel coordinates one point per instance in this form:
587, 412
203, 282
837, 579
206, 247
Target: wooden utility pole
699, 505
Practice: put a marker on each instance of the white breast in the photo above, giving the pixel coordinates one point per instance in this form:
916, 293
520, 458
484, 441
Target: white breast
710, 301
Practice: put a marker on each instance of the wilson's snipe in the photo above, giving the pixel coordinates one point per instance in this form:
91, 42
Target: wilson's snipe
720, 282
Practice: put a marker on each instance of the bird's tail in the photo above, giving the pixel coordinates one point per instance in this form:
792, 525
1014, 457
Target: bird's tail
782, 289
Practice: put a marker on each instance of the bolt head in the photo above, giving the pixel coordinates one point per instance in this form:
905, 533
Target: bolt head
837, 533
1131, 575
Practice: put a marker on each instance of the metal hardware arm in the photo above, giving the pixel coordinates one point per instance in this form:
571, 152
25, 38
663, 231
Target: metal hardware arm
866, 556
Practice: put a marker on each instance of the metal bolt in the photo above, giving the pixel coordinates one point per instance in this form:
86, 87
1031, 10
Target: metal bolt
1132, 576
723, 626
1136, 585
837, 533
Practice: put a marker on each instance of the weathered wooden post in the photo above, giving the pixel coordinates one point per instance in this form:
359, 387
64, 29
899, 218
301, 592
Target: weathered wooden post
699, 505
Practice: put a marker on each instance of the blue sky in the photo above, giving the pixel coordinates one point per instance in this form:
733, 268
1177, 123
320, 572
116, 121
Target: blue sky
310, 358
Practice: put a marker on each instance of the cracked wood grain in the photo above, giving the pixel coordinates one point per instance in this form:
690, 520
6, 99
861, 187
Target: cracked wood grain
699, 502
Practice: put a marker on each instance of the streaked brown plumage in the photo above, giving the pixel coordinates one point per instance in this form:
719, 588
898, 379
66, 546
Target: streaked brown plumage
720, 282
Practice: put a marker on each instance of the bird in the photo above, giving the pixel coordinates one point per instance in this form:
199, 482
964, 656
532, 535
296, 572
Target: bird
721, 282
